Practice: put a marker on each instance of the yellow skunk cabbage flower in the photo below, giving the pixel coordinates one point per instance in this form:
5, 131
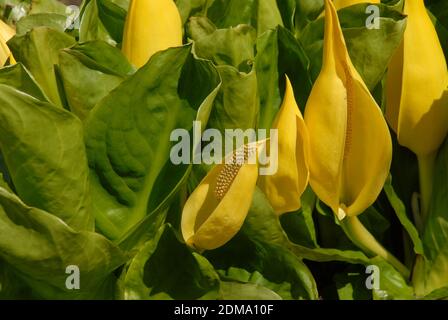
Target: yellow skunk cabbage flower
351, 148
417, 79
6, 33
284, 188
151, 26
217, 208
339, 4
417, 95
350, 144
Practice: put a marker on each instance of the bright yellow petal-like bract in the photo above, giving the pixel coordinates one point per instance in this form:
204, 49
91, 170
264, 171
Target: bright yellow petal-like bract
6, 33
284, 188
417, 97
151, 26
350, 144
217, 208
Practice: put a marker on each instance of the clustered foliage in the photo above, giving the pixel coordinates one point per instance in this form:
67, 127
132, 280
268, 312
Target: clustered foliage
86, 177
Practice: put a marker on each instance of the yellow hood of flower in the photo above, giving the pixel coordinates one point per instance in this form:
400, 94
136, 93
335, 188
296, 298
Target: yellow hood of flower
217, 208
417, 97
284, 188
350, 144
6, 33
151, 26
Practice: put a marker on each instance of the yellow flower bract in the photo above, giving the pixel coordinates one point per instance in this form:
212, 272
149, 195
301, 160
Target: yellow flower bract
151, 26
350, 144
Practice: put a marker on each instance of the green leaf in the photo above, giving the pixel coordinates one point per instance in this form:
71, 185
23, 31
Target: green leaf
103, 20
184, 275
370, 49
400, 211
18, 77
191, 8
435, 235
392, 284
246, 291
281, 47
299, 226
232, 50
47, 6
438, 294
298, 14
351, 286
86, 65
255, 280
262, 15
113, 18
91, 27
50, 20
261, 247
439, 14
262, 224
231, 47
44, 151
128, 135
38, 50
39, 247
11, 286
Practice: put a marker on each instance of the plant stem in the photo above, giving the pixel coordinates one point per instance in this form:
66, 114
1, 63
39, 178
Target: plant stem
361, 237
426, 173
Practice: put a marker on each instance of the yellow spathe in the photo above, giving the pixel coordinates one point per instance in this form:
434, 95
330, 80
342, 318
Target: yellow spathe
151, 26
350, 144
285, 187
6, 33
217, 208
417, 97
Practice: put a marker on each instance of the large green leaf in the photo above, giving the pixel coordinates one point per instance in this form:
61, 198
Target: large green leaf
370, 49
38, 50
51, 20
239, 284
231, 47
39, 247
86, 65
11, 286
232, 50
167, 269
351, 286
18, 76
299, 225
246, 291
91, 27
113, 18
128, 136
103, 20
262, 15
44, 151
190, 8
277, 52
47, 6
